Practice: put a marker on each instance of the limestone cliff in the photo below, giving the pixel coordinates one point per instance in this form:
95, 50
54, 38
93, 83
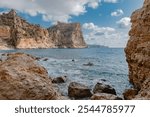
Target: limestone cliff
16, 32
67, 35
138, 51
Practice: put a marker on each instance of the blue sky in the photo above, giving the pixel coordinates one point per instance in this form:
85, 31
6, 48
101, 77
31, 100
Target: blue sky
104, 22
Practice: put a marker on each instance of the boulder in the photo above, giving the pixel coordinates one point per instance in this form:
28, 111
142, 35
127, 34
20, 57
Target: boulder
22, 78
105, 96
130, 93
103, 88
78, 90
61, 79
138, 51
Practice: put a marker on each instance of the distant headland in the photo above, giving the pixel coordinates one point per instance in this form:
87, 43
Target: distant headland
15, 32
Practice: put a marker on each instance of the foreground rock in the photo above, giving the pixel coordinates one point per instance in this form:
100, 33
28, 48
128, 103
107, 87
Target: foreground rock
22, 78
78, 90
138, 51
15, 32
103, 88
105, 96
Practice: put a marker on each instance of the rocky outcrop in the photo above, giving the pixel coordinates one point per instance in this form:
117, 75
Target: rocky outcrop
138, 51
22, 78
16, 32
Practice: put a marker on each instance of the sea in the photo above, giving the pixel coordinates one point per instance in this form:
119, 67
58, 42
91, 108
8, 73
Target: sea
87, 66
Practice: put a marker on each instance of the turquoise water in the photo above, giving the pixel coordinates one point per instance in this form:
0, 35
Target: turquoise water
108, 64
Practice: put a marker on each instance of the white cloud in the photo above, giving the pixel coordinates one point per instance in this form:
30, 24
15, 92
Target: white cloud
93, 27
51, 10
106, 36
118, 12
124, 22
111, 1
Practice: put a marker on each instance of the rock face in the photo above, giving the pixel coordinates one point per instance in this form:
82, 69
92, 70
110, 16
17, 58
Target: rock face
65, 35
15, 32
138, 51
22, 78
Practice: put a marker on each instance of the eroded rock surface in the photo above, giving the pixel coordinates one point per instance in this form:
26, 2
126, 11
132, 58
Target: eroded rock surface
138, 51
22, 78
15, 32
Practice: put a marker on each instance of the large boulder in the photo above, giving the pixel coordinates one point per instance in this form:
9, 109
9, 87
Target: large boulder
78, 90
138, 51
22, 78
101, 87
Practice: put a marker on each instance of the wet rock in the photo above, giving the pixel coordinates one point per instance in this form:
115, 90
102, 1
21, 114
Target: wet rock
88, 64
38, 58
26, 80
103, 80
103, 88
130, 94
61, 79
45, 59
78, 90
105, 96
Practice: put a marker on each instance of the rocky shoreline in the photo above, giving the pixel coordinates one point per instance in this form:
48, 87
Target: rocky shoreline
23, 78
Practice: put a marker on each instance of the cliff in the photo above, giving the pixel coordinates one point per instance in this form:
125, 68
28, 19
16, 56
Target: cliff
16, 32
65, 35
138, 51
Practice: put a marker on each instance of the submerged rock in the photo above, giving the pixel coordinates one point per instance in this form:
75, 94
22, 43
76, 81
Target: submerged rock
78, 90
105, 96
88, 64
103, 88
22, 78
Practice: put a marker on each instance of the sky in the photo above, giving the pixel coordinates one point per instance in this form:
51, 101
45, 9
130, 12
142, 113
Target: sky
103, 22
